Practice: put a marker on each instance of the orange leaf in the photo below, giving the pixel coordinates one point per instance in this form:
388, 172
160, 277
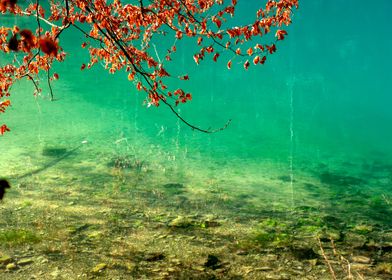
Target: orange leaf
229, 65
215, 57
131, 76
246, 65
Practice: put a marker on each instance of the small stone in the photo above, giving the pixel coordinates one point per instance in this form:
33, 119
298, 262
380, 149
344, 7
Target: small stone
361, 259
55, 273
330, 234
11, 266
181, 222
264, 268
360, 266
99, 267
363, 229
5, 259
42, 259
176, 261
355, 240
199, 268
25, 261
130, 266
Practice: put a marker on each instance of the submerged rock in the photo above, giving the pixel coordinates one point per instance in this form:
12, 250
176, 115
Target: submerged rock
304, 253
11, 266
25, 261
181, 222
212, 262
153, 257
99, 267
355, 240
174, 188
5, 259
361, 259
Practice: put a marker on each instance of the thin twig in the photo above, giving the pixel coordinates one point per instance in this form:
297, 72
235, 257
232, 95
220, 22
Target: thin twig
326, 260
49, 84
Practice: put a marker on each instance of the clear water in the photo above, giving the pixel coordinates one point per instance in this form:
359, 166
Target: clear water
310, 130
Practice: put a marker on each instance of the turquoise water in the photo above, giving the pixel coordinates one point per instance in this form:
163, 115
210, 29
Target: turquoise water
312, 128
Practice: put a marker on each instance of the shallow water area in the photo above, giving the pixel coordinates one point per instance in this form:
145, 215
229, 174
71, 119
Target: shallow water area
298, 186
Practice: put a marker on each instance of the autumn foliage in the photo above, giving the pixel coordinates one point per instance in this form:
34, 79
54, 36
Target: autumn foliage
120, 35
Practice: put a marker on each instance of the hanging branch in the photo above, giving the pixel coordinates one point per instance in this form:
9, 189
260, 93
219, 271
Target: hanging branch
123, 32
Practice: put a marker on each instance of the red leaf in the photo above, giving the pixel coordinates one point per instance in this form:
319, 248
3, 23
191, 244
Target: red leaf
3, 129
229, 65
246, 65
280, 34
215, 57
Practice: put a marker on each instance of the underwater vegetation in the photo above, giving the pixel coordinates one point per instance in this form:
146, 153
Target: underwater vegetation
13, 237
126, 162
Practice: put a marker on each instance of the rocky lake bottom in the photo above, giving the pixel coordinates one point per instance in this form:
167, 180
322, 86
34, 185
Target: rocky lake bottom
113, 217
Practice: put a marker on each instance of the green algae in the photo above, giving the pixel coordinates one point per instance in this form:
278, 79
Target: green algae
18, 237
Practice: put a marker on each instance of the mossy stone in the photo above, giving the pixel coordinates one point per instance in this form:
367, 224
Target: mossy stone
4, 259
99, 267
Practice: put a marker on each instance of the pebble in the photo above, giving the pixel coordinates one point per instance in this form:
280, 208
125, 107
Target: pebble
25, 261
99, 268
359, 266
11, 266
361, 259
199, 268
181, 222
5, 259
